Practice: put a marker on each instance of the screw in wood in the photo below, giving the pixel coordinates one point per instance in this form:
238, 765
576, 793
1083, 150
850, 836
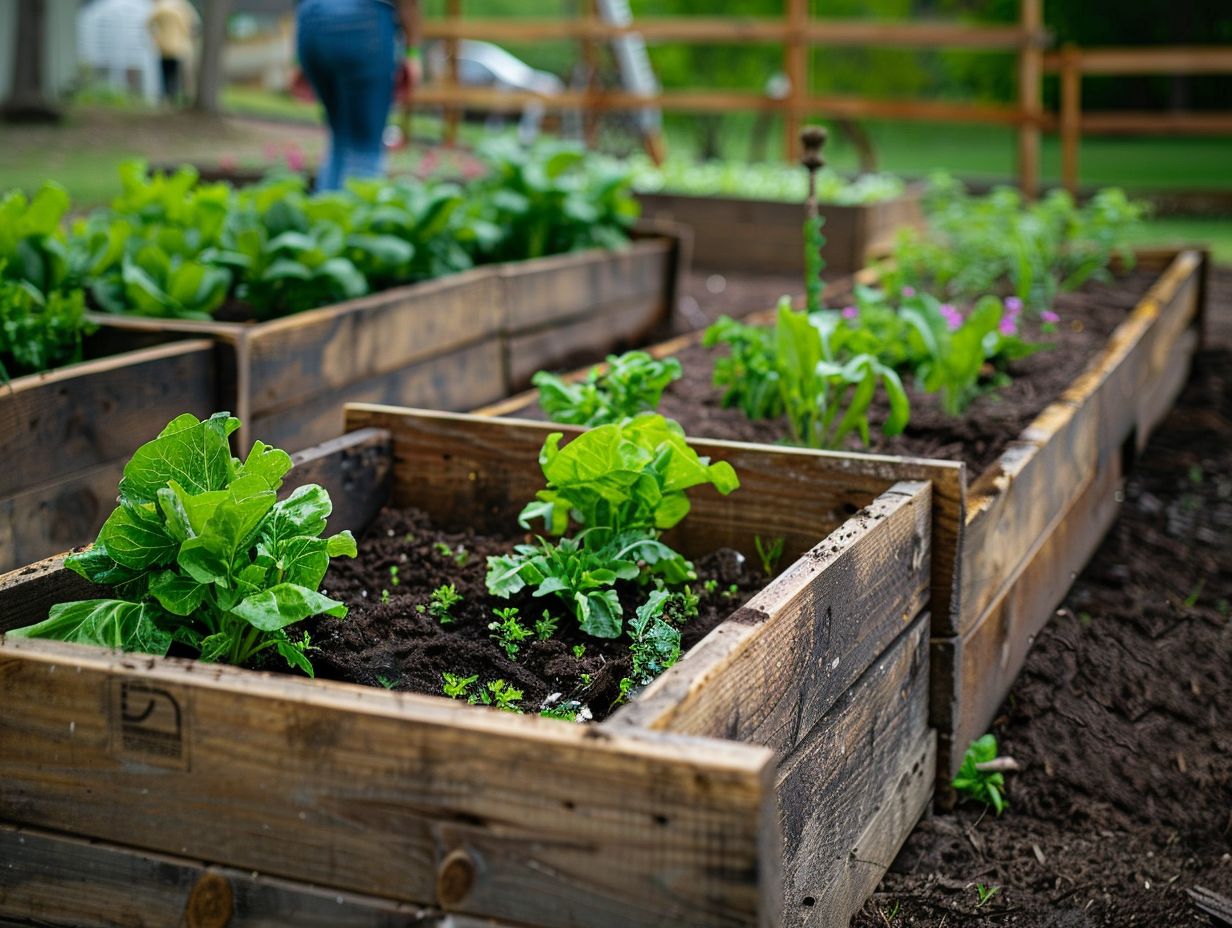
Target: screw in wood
211, 902
454, 878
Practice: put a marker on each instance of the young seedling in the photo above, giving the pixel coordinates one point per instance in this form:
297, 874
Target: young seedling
770, 553
498, 694
545, 627
393, 575
443, 599
386, 682
982, 775
710, 586
683, 606
456, 686
985, 893
384, 596
509, 632
579, 651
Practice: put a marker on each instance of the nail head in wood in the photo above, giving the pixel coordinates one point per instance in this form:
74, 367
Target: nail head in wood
813, 139
210, 903
454, 878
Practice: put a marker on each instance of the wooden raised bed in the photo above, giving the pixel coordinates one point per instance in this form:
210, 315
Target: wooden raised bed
450, 343
767, 779
65, 435
766, 236
1009, 542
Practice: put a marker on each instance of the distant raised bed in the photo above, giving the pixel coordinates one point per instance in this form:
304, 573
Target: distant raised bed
767, 778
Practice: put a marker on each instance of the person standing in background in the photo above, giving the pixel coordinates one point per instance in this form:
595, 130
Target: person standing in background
172, 24
348, 52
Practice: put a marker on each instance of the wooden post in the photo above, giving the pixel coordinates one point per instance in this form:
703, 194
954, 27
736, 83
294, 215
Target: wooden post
1030, 87
795, 63
213, 38
1071, 115
453, 14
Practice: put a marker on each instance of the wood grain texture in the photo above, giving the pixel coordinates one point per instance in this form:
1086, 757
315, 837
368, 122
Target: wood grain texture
865, 754
67, 882
356, 469
458, 380
372, 791
772, 671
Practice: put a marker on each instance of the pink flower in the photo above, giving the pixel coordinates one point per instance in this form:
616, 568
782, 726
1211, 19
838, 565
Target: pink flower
908, 291
1013, 305
295, 158
850, 312
1008, 326
953, 318
1048, 317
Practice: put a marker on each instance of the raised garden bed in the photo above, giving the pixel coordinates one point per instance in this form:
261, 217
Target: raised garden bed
450, 343
1009, 539
65, 435
764, 236
767, 778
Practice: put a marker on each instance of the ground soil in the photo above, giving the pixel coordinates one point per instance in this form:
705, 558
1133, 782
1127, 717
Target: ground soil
386, 641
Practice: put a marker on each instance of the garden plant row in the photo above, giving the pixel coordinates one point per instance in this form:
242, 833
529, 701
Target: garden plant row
170, 251
765, 776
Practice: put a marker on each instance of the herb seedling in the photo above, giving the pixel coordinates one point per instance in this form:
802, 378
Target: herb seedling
633, 383
770, 553
985, 893
456, 686
384, 596
386, 682
565, 711
979, 776
204, 554
686, 605
509, 632
545, 627
710, 586
443, 599
500, 695
732, 592
393, 575
579, 651
656, 644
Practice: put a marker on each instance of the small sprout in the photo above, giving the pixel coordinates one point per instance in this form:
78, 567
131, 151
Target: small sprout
545, 628
393, 575
564, 710
1192, 599
1084, 619
456, 686
386, 682
770, 553
684, 605
985, 892
408, 539
1195, 474
732, 592
461, 556
499, 694
509, 631
443, 599
443, 549
384, 596
710, 586
981, 776
585, 678
579, 651
626, 687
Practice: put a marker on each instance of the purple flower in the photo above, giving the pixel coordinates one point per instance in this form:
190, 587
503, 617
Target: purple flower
1048, 317
908, 291
850, 312
1013, 305
953, 318
1009, 326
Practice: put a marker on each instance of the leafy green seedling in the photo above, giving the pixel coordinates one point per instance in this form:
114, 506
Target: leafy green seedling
732, 591
632, 383
456, 686
980, 776
200, 551
686, 605
564, 711
384, 596
509, 632
386, 682
579, 651
443, 599
770, 553
1192, 599
393, 575
711, 585
655, 643
500, 695
985, 893
443, 549
545, 627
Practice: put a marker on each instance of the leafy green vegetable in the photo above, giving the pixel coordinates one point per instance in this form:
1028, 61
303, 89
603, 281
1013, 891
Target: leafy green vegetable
508, 631
982, 785
202, 552
656, 643
39, 331
632, 383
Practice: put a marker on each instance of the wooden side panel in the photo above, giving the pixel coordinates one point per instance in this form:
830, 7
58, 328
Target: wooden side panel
329, 350
867, 754
55, 880
458, 380
770, 673
411, 798
64, 438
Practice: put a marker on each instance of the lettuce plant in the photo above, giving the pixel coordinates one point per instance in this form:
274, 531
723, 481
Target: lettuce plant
632, 383
39, 331
201, 552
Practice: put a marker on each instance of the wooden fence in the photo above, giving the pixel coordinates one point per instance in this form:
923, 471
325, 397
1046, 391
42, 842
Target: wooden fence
797, 32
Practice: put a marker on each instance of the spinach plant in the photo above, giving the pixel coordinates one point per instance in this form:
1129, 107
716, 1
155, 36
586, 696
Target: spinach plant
39, 331
200, 551
632, 383
983, 785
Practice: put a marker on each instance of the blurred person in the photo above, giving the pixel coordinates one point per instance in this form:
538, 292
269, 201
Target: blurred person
349, 54
172, 25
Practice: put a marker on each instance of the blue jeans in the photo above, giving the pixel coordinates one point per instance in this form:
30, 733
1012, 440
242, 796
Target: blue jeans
347, 51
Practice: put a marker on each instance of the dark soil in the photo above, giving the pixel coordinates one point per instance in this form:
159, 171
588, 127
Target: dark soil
1122, 717
386, 641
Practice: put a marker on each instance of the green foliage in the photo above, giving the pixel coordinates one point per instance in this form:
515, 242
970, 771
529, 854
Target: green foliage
39, 331
32, 245
546, 626
508, 631
623, 484
769, 553
656, 643
456, 686
984, 786
632, 383
442, 600
985, 893
499, 695
201, 552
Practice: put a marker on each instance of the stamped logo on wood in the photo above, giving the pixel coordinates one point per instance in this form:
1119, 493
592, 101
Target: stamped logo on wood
149, 723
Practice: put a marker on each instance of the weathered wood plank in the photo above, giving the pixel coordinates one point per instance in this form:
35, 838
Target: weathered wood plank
412, 798
76, 417
58, 880
772, 671
859, 758
459, 380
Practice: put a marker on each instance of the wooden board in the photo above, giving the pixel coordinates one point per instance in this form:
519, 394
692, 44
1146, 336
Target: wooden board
65, 435
765, 236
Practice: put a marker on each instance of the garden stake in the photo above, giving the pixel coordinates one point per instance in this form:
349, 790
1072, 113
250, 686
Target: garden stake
812, 138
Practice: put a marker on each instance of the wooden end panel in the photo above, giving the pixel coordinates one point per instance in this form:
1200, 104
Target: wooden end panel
325, 351
458, 380
861, 777
773, 670
974, 673
542, 293
415, 799
77, 417
52, 879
